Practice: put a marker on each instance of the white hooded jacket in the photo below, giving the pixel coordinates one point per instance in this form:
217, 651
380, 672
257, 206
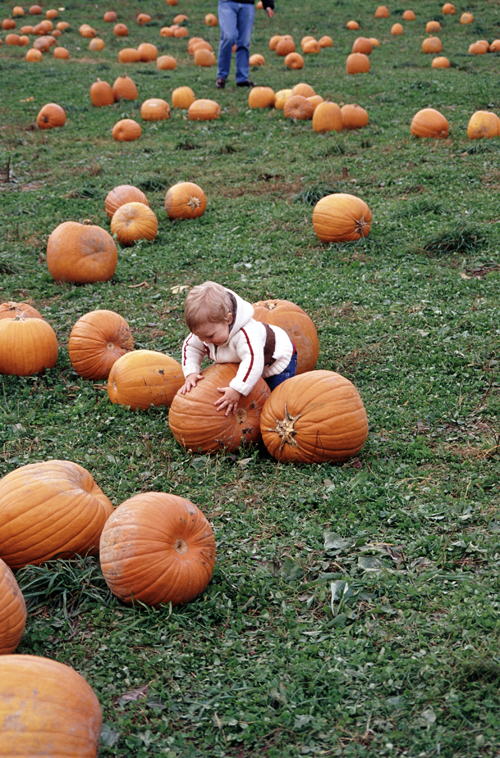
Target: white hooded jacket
248, 342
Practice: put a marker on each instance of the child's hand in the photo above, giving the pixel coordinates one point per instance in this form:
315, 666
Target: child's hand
270, 12
229, 401
191, 381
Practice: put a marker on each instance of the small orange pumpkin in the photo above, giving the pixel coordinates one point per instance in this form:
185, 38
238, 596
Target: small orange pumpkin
101, 94
50, 509
124, 88
129, 55
126, 130
110, 17
51, 116
143, 378
408, 15
448, 9
261, 97
155, 109
325, 41
311, 47
182, 97
124, 193
357, 63
397, 29
433, 27
11, 310
96, 44
147, 51
34, 56
353, 25
432, 45
483, 125
120, 30
166, 63
157, 548
198, 426
354, 116
429, 123
382, 12
61, 53
285, 45
96, 342
203, 57
316, 417
440, 62
258, 60
185, 200
143, 18
341, 217
466, 18
204, 110
327, 118
298, 107
303, 89
362, 45
132, 222
211, 19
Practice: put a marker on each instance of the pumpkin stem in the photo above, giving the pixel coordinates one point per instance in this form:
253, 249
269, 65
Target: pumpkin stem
360, 224
193, 202
110, 345
285, 429
180, 546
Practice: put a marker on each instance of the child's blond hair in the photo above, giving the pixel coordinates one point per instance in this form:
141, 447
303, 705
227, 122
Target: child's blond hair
207, 302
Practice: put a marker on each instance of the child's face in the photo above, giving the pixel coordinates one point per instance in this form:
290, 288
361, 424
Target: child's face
214, 332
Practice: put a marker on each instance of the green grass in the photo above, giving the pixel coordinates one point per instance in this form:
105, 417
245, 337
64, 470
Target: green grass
354, 610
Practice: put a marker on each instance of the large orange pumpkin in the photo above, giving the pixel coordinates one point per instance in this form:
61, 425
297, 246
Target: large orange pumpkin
96, 342
357, 63
51, 116
101, 93
354, 116
124, 88
185, 200
27, 346
432, 45
11, 310
157, 548
483, 125
46, 709
261, 97
297, 324
204, 109
429, 123
126, 130
12, 612
294, 61
48, 510
196, 423
143, 378
124, 193
166, 63
182, 97
147, 52
327, 117
132, 222
298, 107
362, 45
81, 253
341, 217
314, 418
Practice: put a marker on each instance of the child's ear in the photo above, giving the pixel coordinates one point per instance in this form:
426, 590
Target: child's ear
229, 317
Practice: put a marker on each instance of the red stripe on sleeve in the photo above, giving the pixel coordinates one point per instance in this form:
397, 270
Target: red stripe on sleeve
251, 355
184, 358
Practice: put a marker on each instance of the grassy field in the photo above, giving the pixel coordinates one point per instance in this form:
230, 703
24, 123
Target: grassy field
354, 610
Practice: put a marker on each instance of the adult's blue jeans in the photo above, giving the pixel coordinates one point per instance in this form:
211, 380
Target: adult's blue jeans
236, 24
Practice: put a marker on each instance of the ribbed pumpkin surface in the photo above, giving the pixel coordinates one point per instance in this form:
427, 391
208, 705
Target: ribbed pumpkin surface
50, 509
46, 709
81, 253
297, 324
96, 342
157, 548
430, 123
132, 222
143, 378
124, 193
11, 310
27, 346
12, 611
197, 425
341, 217
314, 418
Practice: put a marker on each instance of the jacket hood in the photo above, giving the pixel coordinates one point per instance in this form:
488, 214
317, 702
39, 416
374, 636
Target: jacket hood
242, 313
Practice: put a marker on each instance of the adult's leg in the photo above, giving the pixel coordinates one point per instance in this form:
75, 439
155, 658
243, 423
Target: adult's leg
228, 16
246, 16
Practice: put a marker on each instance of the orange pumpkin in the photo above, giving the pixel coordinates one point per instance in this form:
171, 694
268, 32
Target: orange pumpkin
198, 426
294, 61
382, 12
120, 30
129, 55
397, 29
132, 222
408, 15
101, 93
429, 123
180, 31
81, 253
495, 46
298, 107
466, 18
362, 45
354, 117
185, 200
124, 88
357, 63
96, 342
285, 45
440, 62
35, 10
11, 310
478, 48
27, 346
157, 548
182, 97
448, 9
316, 417
258, 60
341, 217
312, 46
110, 17
96, 44
297, 324
155, 109
327, 117
315, 100
50, 509
303, 89
166, 63
87, 31
147, 52
124, 193
432, 45
211, 19
143, 18
325, 41
432, 27
204, 110
281, 97
483, 125
34, 56
261, 97
353, 25
273, 42
143, 378
61, 53
126, 130
203, 57
51, 116
47, 708
12, 612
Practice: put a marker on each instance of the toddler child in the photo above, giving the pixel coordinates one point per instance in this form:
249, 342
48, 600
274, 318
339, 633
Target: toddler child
223, 329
